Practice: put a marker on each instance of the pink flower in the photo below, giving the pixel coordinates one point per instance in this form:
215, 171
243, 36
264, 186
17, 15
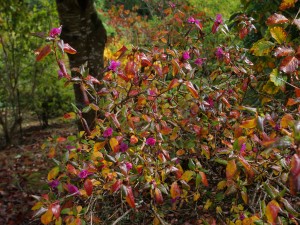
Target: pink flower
219, 53
191, 19
150, 141
194, 21
123, 147
108, 132
83, 174
172, 5
186, 55
54, 32
128, 166
113, 65
72, 189
60, 74
53, 184
199, 61
217, 23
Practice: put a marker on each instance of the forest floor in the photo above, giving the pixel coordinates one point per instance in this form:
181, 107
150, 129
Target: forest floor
23, 173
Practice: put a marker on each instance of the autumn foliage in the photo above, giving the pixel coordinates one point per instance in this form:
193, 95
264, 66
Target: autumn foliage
175, 141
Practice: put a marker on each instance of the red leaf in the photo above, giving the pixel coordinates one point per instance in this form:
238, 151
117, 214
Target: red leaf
203, 179
289, 64
88, 186
116, 186
247, 166
272, 210
92, 79
69, 49
43, 52
276, 19
145, 61
295, 165
120, 52
192, 90
283, 51
130, 197
55, 208
158, 196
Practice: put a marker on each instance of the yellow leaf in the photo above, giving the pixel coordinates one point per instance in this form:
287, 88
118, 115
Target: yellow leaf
99, 145
187, 175
113, 142
249, 123
53, 173
208, 204
37, 206
221, 185
46, 218
196, 196
279, 34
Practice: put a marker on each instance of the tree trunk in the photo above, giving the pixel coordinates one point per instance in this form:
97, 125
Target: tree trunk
84, 31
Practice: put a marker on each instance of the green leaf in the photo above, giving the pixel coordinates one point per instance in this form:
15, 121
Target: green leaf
262, 48
276, 78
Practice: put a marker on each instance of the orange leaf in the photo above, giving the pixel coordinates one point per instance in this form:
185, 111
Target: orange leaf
231, 169
249, 123
43, 52
272, 210
158, 196
286, 120
51, 153
247, 166
291, 101
130, 197
175, 190
46, 218
174, 83
69, 49
88, 186
99, 145
285, 4
203, 179
176, 67
71, 169
191, 88
276, 19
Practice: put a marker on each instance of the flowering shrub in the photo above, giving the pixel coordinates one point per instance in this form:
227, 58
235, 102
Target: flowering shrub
175, 144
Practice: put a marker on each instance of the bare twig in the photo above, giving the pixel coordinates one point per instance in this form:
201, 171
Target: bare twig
121, 217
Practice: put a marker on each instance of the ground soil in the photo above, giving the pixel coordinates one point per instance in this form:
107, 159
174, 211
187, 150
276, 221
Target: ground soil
23, 172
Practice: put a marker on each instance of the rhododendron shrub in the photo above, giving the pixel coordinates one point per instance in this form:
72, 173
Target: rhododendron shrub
173, 144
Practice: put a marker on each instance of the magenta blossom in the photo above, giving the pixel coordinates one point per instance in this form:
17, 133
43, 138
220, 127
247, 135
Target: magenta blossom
172, 5
219, 53
194, 21
108, 132
83, 174
186, 55
217, 23
72, 189
54, 32
60, 74
128, 166
199, 61
243, 148
123, 147
113, 65
150, 141
53, 184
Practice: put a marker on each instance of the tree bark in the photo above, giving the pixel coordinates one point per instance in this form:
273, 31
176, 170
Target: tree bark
84, 31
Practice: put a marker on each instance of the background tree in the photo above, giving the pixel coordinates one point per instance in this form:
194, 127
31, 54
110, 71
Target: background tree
84, 31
